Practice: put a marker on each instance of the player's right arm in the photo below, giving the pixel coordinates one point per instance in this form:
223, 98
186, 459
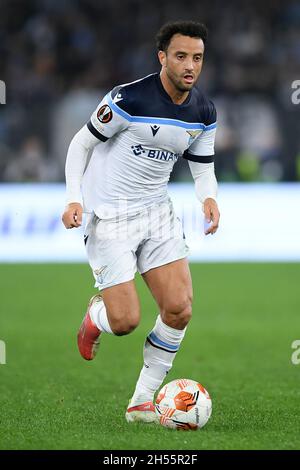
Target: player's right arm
107, 120
81, 144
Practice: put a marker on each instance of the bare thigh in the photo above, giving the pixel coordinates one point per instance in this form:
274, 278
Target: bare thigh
171, 287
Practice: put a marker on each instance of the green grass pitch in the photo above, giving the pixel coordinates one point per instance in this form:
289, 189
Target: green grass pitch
238, 345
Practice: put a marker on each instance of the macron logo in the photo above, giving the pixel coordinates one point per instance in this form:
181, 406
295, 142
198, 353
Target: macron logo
155, 130
117, 98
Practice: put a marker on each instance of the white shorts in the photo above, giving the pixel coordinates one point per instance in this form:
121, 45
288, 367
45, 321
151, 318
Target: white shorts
117, 248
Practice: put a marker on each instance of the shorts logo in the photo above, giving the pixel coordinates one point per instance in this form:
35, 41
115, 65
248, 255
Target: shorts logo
100, 274
100, 270
105, 114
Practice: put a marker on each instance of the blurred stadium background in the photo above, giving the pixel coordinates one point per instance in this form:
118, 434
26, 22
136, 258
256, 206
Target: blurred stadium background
58, 58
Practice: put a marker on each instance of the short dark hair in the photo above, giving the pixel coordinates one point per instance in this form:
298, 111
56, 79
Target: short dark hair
186, 28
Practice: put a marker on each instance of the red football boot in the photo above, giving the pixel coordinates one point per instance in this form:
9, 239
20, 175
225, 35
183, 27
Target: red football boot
145, 412
88, 334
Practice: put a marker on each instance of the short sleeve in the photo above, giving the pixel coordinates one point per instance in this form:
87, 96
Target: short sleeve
202, 149
106, 121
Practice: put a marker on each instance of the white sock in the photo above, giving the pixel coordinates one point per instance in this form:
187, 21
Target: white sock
160, 349
99, 316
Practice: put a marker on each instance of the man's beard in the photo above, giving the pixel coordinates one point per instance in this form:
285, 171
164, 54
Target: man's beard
178, 85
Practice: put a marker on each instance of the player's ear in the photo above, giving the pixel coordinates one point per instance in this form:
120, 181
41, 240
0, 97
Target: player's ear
162, 58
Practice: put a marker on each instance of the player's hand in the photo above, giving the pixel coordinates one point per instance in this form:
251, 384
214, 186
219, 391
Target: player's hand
212, 214
72, 217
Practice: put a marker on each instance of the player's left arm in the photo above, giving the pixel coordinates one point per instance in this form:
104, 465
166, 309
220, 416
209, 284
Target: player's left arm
206, 187
200, 156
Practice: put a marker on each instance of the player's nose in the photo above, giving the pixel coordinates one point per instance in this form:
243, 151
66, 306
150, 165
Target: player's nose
189, 65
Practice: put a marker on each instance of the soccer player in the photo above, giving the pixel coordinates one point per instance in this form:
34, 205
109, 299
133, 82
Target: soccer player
136, 134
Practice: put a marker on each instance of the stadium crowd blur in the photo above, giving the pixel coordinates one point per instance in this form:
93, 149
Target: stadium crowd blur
59, 57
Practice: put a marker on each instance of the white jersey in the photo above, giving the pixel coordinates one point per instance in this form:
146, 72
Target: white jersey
142, 134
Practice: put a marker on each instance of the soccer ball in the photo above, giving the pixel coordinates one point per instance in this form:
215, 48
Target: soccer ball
183, 404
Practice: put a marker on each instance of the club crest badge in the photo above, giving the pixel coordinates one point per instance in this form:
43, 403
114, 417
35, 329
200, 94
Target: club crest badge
193, 135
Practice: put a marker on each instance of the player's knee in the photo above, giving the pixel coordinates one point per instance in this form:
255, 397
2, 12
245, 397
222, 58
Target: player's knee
178, 311
184, 313
124, 326
179, 304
